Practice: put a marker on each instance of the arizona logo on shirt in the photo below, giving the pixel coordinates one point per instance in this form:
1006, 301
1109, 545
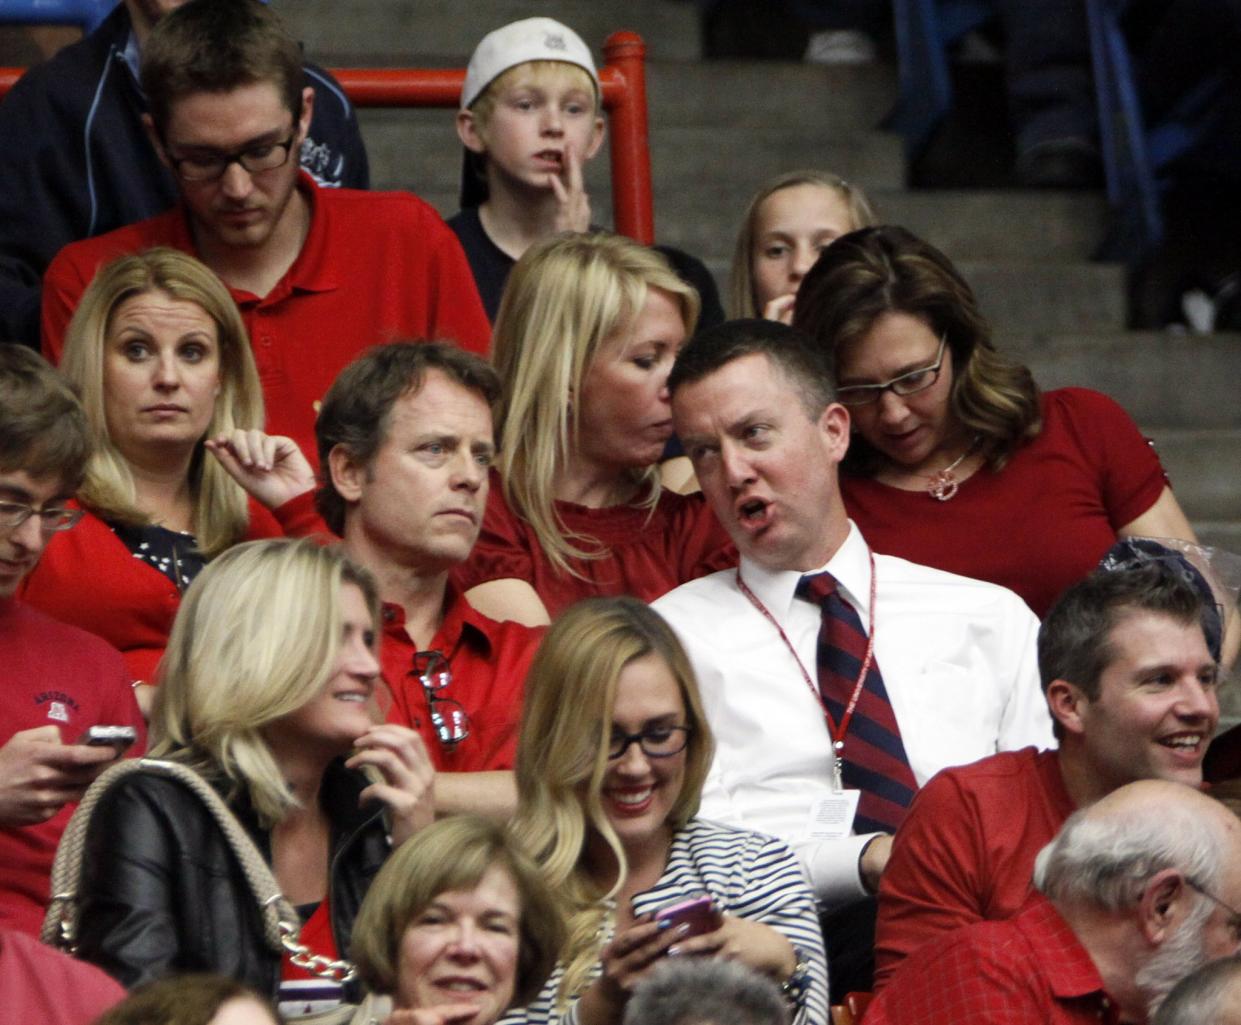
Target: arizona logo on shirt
58, 704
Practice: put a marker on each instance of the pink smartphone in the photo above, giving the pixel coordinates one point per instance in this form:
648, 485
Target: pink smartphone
698, 912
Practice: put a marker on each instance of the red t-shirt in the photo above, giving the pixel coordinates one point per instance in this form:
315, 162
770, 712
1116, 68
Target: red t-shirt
1039, 524
51, 673
650, 551
375, 266
87, 576
965, 852
45, 986
488, 661
1030, 968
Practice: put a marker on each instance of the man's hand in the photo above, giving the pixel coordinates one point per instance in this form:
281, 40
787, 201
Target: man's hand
270, 467
39, 774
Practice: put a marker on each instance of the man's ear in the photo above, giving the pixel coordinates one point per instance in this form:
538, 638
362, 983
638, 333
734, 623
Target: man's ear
1162, 908
834, 423
346, 474
148, 125
468, 132
308, 110
1067, 704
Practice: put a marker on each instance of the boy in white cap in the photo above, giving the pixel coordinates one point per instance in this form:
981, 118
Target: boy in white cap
530, 118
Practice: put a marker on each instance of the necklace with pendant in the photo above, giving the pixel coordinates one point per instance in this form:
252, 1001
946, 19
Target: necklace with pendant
943, 484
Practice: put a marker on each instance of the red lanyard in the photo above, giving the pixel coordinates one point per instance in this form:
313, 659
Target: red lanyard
836, 733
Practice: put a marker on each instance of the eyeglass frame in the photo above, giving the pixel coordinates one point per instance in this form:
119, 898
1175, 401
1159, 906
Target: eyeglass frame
237, 156
1234, 921
627, 739
67, 517
448, 734
877, 390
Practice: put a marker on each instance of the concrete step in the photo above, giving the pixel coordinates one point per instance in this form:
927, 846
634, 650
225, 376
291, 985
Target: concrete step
770, 94
1051, 296
1000, 224
1162, 379
419, 150
395, 32
1205, 469
1224, 534
1045, 225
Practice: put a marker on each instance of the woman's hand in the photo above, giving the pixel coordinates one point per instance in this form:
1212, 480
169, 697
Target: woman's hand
270, 467
626, 960
395, 759
780, 308
754, 944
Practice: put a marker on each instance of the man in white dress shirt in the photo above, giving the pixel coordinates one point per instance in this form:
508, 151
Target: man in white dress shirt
753, 406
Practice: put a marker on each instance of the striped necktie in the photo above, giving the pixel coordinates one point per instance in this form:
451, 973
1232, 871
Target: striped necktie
874, 756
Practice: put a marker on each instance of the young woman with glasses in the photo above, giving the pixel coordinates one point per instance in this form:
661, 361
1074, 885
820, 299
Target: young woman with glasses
957, 460
611, 759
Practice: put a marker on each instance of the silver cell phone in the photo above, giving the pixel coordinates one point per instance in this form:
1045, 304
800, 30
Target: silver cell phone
119, 737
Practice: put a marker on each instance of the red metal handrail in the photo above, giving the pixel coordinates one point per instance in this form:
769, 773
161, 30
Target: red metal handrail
624, 97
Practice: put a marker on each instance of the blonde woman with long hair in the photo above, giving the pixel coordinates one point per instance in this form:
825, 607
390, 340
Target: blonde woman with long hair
612, 757
268, 692
587, 333
158, 352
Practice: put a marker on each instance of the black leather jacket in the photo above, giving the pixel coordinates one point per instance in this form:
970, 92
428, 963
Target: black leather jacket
162, 892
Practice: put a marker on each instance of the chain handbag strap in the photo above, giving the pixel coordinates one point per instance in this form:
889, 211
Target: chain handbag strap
281, 925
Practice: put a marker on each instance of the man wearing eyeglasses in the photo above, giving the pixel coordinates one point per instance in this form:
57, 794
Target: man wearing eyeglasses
319, 274
1129, 664
76, 162
836, 680
1134, 893
406, 439
56, 681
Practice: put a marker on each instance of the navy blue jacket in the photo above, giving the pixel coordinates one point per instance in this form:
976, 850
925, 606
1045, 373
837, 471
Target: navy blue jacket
75, 161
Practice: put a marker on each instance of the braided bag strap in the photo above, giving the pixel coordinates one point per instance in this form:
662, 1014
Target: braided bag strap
280, 921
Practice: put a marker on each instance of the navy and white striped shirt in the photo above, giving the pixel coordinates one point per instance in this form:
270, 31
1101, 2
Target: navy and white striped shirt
750, 875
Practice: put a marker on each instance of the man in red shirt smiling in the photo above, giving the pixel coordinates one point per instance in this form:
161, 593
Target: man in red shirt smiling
1130, 678
1136, 892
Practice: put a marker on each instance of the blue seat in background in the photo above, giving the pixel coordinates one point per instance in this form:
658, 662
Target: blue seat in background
86, 13
1134, 153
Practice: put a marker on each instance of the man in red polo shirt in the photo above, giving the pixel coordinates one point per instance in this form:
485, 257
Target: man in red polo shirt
405, 441
56, 681
1130, 677
1135, 892
319, 274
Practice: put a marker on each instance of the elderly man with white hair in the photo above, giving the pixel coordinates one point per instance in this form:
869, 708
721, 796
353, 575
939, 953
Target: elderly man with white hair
1135, 892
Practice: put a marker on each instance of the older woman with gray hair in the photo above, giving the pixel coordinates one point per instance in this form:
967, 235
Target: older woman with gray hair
459, 925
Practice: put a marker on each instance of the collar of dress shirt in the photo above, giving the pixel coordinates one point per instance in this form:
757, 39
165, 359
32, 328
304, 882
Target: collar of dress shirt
850, 565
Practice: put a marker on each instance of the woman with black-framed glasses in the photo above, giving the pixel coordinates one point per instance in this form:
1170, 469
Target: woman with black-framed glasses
612, 755
957, 460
